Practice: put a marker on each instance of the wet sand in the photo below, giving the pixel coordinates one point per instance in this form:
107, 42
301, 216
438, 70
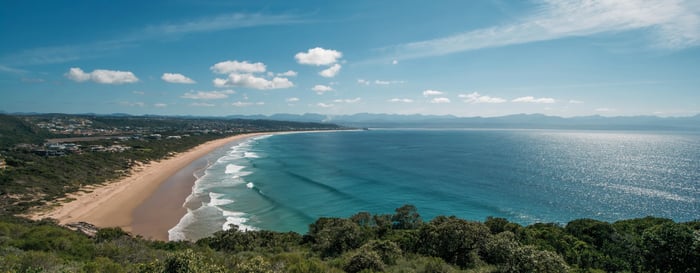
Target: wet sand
115, 204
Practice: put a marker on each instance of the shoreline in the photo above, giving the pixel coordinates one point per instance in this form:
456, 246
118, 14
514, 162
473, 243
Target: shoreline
114, 204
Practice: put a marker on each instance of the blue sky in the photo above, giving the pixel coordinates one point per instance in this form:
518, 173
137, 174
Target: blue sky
464, 58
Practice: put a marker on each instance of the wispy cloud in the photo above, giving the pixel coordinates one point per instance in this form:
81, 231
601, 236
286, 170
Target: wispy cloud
672, 24
531, 99
428, 93
72, 52
202, 104
247, 103
207, 95
403, 100
222, 22
475, 97
440, 100
355, 100
12, 70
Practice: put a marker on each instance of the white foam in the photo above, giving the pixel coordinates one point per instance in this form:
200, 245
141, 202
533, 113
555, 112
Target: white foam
261, 137
235, 218
177, 233
233, 168
215, 199
250, 185
250, 155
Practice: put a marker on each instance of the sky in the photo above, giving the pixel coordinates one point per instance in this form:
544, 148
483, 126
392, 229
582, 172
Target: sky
462, 58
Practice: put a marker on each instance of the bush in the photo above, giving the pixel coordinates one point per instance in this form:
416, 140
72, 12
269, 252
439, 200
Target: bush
189, 262
364, 260
454, 240
388, 251
334, 236
437, 265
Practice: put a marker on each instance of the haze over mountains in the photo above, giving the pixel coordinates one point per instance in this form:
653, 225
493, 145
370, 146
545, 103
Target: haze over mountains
520, 121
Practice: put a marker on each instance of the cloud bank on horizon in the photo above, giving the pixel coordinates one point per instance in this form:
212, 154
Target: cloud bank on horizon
557, 57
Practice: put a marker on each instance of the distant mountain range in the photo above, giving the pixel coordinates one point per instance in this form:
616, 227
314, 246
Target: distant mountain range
520, 121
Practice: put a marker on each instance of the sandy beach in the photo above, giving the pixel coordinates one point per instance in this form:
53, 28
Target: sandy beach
114, 204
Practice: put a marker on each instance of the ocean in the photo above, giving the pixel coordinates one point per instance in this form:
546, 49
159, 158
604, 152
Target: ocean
285, 182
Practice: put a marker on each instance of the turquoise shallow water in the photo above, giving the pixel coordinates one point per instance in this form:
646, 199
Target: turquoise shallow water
285, 182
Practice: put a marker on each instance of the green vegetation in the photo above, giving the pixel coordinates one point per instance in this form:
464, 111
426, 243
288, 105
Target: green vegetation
29, 178
399, 242
444, 244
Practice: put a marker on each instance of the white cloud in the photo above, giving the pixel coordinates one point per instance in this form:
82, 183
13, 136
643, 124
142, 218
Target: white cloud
140, 93
380, 82
575, 102
320, 89
101, 76
160, 105
325, 105
395, 62
207, 95
439, 100
318, 56
176, 78
292, 99
401, 100
289, 73
673, 24
227, 67
202, 104
251, 81
605, 110
246, 104
77, 74
331, 71
132, 104
531, 99
428, 93
355, 100
475, 97
363, 81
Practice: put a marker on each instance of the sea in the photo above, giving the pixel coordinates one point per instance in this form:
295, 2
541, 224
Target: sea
285, 182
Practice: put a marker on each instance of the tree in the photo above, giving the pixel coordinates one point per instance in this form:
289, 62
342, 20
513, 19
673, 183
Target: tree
364, 260
669, 247
512, 257
334, 236
387, 250
363, 219
406, 217
454, 240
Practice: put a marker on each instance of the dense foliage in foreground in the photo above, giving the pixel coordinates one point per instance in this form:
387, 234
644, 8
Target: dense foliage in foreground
401, 242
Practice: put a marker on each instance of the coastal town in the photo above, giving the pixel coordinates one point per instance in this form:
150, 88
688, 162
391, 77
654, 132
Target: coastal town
74, 134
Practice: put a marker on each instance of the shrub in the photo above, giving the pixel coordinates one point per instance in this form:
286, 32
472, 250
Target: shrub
364, 260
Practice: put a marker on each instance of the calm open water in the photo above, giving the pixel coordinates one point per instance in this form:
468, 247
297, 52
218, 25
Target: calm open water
285, 182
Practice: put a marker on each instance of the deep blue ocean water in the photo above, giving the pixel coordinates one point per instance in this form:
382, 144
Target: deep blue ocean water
285, 182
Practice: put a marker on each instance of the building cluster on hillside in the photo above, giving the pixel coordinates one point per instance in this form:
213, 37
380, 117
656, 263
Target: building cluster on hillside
73, 126
83, 126
61, 149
